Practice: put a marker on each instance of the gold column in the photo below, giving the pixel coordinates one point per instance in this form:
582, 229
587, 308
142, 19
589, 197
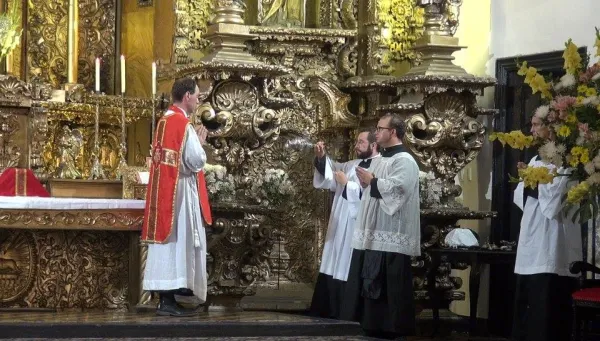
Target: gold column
73, 42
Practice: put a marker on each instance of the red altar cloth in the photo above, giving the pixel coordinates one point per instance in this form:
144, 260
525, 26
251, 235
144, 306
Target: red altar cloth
21, 182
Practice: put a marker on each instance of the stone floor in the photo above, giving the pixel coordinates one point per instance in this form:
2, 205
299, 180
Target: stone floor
277, 338
225, 326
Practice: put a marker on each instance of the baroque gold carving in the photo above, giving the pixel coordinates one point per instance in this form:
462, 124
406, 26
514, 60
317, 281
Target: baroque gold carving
10, 154
67, 269
17, 264
96, 39
308, 52
130, 180
113, 220
39, 129
181, 41
70, 143
452, 137
47, 41
199, 16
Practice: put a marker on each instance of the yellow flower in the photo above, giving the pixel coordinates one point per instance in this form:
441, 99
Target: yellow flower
590, 92
564, 131
579, 101
532, 176
515, 139
579, 155
598, 107
582, 89
597, 44
537, 83
571, 118
571, 57
523, 69
577, 193
584, 158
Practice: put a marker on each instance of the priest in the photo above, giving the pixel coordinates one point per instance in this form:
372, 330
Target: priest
339, 178
379, 290
176, 204
549, 241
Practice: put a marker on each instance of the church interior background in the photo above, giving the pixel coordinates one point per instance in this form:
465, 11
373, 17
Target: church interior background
78, 100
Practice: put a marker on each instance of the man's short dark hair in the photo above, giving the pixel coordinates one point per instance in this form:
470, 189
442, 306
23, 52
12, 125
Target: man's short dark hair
371, 135
397, 123
181, 87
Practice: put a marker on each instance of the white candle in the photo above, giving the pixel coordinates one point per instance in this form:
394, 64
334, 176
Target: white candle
97, 75
122, 74
153, 79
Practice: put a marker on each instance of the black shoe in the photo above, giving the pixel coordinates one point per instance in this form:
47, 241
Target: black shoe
184, 292
167, 306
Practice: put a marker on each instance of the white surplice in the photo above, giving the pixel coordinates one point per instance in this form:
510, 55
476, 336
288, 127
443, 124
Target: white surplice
181, 262
392, 223
337, 251
549, 241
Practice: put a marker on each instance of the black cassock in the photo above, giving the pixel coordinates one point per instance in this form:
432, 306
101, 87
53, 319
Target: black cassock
379, 291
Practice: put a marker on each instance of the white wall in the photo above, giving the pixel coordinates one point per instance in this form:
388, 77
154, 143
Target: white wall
521, 27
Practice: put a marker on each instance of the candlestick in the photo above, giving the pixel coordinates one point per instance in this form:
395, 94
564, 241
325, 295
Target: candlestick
73, 41
153, 79
97, 171
123, 162
122, 74
97, 88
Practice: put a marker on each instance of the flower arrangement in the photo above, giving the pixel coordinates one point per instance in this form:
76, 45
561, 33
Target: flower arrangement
403, 25
220, 185
571, 114
274, 188
430, 189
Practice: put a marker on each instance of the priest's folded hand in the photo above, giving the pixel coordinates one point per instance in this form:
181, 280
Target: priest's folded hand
364, 175
340, 178
202, 133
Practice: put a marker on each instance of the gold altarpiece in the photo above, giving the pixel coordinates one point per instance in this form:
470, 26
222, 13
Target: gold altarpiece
277, 77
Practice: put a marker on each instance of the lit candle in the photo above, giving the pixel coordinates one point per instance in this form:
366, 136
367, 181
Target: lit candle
122, 74
153, 79
97, 74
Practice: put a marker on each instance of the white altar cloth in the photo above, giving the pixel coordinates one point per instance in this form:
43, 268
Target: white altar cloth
40, 203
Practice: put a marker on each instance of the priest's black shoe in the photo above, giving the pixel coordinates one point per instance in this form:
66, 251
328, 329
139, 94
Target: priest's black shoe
184, 292
167, 306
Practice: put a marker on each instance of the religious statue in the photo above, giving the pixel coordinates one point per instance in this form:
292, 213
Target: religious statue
107, 155
288, 13
69, 145
443, 14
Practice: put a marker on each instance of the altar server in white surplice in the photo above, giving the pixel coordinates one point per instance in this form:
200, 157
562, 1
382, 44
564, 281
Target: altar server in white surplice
341, 179
379, 291
176, 204
549, 242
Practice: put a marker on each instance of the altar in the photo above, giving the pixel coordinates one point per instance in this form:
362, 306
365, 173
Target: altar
60, 253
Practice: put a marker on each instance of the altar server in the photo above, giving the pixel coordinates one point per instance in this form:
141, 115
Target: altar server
341, 179
549, 242
379, 291
176, 204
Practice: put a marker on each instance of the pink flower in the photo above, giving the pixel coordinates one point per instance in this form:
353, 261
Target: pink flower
584, 128
586, 77
562, 105
552, 116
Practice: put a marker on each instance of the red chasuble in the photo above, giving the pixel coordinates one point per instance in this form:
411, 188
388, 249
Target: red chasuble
21, 182
161, 196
